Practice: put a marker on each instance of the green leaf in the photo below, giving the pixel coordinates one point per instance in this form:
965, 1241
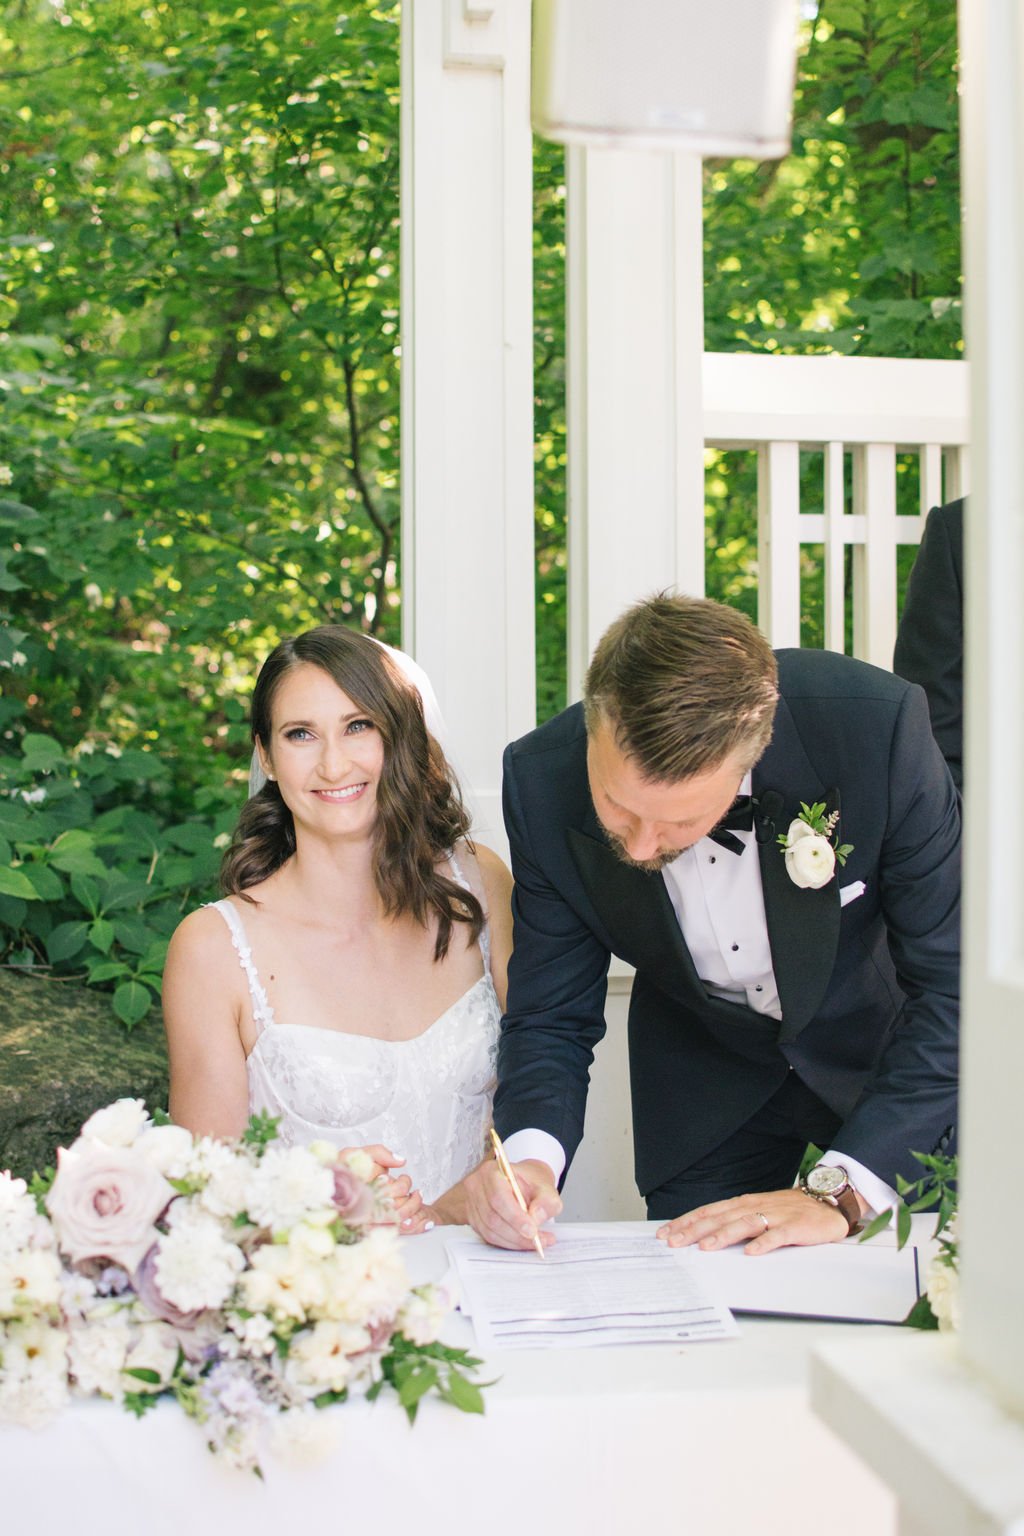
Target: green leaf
105, 970
47, 885
878, 1225
41, 753
463, 1393
66, 940
14, 883
87, 892
139, 1403
142, 1373
921, 1315
12, 912
101, 935
904, 1225
133, 934
132, 1001
74, 853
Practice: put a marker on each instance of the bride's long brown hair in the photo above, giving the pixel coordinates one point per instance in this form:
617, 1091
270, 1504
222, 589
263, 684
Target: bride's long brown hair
420, 814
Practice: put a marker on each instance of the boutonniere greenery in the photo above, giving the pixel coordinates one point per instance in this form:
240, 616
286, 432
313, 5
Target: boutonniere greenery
810, 847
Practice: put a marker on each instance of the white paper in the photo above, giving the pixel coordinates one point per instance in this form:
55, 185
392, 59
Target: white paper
869, 1282
607, 1289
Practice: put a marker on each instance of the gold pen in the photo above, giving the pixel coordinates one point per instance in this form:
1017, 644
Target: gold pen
509, 1172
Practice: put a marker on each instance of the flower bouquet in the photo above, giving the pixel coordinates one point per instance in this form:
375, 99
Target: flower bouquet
254, 1283
939, 1307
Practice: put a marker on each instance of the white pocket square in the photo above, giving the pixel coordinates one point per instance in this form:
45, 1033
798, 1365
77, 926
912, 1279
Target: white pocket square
848, 893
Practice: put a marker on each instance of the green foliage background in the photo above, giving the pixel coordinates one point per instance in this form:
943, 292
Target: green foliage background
199, 392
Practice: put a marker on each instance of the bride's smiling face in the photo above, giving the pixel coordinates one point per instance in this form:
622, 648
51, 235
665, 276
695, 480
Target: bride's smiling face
325, 753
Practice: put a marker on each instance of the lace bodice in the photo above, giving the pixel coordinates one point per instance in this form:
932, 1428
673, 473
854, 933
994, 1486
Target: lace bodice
428, 1098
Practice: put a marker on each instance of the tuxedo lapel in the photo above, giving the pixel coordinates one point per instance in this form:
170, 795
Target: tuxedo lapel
803, 925
635, 908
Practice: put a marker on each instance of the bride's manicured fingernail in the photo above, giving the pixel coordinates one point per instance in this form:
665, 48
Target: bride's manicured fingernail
428, 1226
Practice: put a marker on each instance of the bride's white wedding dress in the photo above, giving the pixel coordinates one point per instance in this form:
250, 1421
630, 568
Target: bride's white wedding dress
428, 1098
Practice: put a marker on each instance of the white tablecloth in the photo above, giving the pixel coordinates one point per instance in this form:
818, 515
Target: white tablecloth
712, 1439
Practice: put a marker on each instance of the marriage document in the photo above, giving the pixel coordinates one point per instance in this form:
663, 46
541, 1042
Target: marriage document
588, 1289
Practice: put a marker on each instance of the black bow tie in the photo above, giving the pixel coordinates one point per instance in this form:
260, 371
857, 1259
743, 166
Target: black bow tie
738, 818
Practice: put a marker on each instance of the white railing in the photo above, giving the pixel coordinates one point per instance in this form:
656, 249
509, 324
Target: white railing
873, 409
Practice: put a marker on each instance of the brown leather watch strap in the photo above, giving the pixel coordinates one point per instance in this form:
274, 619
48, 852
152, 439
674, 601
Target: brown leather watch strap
848, 1205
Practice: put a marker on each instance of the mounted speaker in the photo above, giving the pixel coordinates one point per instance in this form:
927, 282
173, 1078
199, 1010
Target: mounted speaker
711, 76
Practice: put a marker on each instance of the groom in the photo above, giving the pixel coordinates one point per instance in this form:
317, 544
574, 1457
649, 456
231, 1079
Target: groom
781, 996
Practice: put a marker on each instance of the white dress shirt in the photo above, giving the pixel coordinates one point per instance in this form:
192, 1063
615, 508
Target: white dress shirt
717, 896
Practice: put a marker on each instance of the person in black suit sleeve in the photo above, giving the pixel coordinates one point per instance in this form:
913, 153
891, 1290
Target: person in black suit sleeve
930, 639
777, 999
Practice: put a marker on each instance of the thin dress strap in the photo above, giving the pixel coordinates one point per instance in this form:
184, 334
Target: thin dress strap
262, 1012
463, 879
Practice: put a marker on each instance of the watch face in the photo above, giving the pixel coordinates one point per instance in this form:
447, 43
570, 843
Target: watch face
824, 1180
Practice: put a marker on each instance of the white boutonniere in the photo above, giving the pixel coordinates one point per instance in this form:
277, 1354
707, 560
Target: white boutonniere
810, 851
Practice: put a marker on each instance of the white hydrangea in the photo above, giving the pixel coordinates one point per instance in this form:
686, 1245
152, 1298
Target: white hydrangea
255, 1333
225, 1175
29, 1282
196, 1265
286, 1186
20, 1222
943, 1290
118, 1124
97, 1351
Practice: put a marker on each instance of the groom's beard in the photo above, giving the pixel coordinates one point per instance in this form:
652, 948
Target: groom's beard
649, 866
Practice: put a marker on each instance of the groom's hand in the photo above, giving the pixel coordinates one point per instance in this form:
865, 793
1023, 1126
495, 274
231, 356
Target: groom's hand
492, 1209
778, 1218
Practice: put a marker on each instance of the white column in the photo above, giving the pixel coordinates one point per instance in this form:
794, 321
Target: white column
635, 421
467, 375
943, 1419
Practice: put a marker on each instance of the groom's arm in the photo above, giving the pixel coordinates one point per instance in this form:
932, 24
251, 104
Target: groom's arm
558, 977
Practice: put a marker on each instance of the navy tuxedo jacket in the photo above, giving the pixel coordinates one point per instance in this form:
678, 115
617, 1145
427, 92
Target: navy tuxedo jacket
869, 990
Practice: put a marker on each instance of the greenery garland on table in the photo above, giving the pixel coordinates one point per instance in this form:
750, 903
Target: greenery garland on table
254, 1283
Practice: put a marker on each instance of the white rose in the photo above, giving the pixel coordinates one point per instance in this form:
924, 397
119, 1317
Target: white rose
155, 1349
810, 858
104, 1202
422, 1315
118, 1124
168, 1148
318, 1358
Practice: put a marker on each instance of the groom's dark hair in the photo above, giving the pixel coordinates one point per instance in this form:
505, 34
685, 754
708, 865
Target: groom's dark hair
685, 684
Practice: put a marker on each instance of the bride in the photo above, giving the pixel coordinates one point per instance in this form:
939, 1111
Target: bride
352, 981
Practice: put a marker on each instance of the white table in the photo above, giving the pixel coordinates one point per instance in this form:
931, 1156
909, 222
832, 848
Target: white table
710, 1439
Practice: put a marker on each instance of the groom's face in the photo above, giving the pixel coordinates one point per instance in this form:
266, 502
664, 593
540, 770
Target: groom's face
650, 823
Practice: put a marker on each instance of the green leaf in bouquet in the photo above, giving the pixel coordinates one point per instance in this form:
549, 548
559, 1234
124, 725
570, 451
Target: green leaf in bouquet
921, 1315
904, 1225
14, 882
139, 1403
462, 1393
328, 1399
66, 940
132, 1001
143, 1373
261, 1130
878, 1225
414, 1383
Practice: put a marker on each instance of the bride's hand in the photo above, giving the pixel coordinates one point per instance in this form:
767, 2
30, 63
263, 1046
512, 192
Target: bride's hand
383, 1159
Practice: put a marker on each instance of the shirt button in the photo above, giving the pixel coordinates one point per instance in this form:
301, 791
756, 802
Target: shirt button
735, 946
759, 988
711, 860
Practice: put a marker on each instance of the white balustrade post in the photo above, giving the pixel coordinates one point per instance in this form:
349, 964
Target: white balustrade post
778, 542
635, 341
467, 375
874, 561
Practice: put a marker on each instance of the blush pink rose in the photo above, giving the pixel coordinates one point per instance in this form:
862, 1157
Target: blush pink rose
105, 1201
353, 1199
